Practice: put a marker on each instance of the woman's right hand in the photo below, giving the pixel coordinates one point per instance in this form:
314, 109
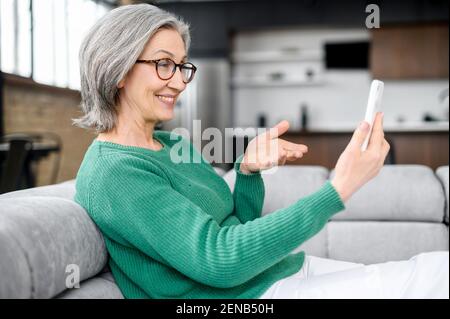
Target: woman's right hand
354, 168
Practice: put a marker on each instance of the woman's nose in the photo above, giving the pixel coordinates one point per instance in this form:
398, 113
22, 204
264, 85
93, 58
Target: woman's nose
176, 81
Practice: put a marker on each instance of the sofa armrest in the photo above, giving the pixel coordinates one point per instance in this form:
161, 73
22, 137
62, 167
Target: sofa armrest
39, 237
64, 190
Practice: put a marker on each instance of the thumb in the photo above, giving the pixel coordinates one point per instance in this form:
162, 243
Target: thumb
359, 135
278, 129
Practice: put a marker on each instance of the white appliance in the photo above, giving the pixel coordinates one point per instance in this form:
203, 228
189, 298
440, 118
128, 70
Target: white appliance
205, 99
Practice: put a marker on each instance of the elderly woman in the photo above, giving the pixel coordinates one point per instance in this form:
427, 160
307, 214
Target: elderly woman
174, 230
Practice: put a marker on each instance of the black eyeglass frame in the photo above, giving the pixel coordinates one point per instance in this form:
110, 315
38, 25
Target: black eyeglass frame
179, 65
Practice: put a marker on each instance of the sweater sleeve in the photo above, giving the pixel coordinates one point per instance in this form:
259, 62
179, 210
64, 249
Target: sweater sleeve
157, 218
248, 194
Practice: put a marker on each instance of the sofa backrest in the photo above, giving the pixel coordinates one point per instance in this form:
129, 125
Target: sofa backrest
286, 184
396, 215
42, 239
398, 193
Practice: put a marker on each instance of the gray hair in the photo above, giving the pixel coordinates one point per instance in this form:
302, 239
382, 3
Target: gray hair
109, 51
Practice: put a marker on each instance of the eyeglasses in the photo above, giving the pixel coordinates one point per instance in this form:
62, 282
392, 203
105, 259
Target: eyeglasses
166, 68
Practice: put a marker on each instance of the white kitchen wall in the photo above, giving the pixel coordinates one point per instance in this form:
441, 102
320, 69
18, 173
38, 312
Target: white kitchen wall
304, 38
339, 100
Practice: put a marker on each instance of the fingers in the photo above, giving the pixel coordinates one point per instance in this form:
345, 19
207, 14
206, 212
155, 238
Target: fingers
359, 136
289, 146
284, 155
385, 150
292, 156
377, 137
277, 130
293, 151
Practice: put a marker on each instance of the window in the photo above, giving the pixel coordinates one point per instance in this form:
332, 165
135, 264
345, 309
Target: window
15, 37
48, 52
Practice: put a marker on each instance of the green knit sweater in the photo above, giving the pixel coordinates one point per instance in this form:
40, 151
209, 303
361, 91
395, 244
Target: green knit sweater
175, 230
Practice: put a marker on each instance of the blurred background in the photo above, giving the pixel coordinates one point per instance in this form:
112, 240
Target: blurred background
310, 62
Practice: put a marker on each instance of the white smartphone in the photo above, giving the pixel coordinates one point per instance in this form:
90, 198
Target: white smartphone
373, 106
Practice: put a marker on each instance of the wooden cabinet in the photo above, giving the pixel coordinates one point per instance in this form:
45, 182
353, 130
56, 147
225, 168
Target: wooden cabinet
425, 148
410, 51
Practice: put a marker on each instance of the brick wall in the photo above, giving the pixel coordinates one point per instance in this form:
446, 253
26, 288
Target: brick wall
30, 107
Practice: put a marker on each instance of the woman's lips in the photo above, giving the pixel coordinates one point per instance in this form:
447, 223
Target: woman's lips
169, 101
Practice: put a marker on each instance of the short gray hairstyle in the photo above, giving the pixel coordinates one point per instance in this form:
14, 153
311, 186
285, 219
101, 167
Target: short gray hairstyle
109, 51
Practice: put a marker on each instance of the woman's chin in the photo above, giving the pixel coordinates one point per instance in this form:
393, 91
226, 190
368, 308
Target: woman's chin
167, 116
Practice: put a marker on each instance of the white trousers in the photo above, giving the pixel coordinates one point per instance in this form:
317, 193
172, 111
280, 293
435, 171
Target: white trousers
425, 275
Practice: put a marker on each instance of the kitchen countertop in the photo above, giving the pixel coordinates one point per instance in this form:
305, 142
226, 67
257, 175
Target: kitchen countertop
441, 126
391, 127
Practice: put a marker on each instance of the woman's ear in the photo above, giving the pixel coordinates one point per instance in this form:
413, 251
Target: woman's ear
121, 84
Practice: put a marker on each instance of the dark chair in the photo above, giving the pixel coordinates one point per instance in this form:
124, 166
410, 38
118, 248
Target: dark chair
14, 165
17, 171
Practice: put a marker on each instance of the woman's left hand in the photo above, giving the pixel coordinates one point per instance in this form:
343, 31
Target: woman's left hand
267, 150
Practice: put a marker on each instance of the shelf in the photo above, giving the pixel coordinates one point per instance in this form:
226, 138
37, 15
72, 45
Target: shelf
279, 56
279, 83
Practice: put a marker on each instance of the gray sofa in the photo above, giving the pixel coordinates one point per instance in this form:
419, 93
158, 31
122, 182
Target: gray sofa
402, 212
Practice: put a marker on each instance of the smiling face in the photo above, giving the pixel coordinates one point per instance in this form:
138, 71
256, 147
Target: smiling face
149, 98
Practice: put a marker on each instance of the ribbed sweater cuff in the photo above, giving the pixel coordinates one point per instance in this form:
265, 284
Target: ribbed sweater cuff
237, 168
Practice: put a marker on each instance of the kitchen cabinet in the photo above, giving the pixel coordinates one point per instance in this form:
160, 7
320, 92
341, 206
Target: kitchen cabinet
416, 51
425, 148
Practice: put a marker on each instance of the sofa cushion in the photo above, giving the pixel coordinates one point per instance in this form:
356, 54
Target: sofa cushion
285, 185
220, 171
316, 245
398, 192
100, 287
442, 174
39, 237
371, 242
